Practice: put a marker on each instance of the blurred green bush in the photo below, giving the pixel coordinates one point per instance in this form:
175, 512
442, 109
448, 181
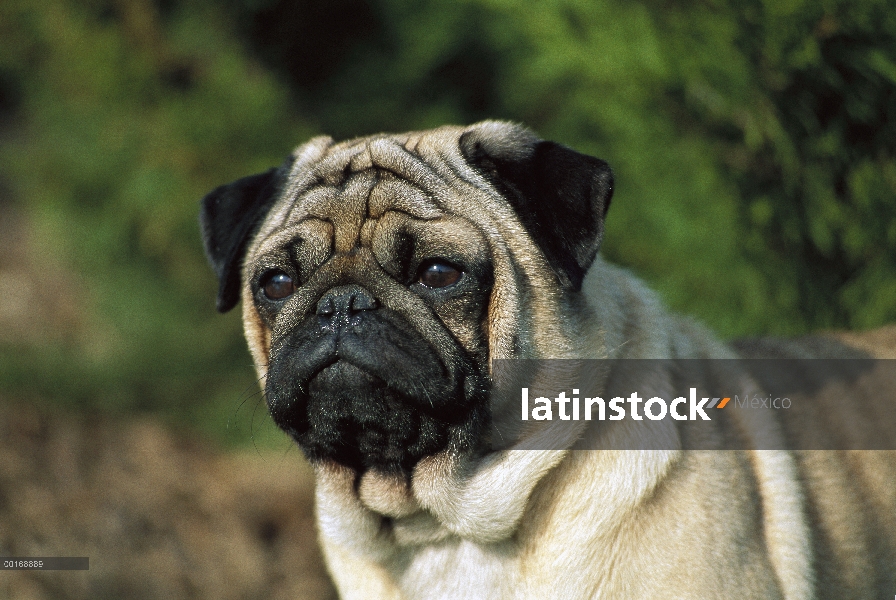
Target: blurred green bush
753, 144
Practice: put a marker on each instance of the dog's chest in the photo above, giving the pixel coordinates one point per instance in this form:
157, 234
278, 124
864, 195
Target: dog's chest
458, 569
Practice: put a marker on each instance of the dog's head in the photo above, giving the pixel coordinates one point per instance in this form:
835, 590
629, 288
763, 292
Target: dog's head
380, 276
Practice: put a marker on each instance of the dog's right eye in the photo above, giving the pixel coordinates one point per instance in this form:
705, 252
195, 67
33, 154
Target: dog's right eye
438, 273
277, 285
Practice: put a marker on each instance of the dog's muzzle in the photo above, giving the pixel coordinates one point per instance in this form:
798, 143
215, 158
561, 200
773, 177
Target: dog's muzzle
355, 382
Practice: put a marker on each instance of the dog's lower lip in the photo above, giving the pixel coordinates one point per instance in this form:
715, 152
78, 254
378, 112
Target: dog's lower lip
327, 365
336, 363
339, 364
339, 358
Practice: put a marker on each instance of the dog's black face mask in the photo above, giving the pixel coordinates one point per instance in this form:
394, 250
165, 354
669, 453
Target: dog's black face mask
376, 299
354, 381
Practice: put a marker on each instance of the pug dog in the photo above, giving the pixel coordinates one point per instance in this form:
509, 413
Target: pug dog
381, 279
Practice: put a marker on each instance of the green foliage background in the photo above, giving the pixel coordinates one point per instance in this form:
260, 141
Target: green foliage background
754, 145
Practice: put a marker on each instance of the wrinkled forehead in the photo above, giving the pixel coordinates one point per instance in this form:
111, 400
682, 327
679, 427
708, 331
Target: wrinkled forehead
348, 184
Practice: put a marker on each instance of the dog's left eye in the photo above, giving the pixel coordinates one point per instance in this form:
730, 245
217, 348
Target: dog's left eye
438, 274
278, 285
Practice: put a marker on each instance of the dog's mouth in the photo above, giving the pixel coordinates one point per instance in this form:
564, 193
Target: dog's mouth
373, 399
358, 419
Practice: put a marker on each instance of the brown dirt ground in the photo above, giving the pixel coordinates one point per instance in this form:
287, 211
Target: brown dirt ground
160, 515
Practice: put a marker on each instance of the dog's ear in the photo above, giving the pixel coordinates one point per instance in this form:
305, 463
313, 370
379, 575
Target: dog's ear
229, 216
560, 195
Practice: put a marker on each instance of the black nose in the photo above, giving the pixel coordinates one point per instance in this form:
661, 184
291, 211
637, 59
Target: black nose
341, 305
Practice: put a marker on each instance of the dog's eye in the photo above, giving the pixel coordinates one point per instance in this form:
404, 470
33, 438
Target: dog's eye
438, 274
278, 285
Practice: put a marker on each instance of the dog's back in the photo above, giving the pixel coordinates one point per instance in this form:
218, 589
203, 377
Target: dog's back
848, 387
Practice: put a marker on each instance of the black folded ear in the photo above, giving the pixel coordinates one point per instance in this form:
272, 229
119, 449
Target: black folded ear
560, 195
229, 216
